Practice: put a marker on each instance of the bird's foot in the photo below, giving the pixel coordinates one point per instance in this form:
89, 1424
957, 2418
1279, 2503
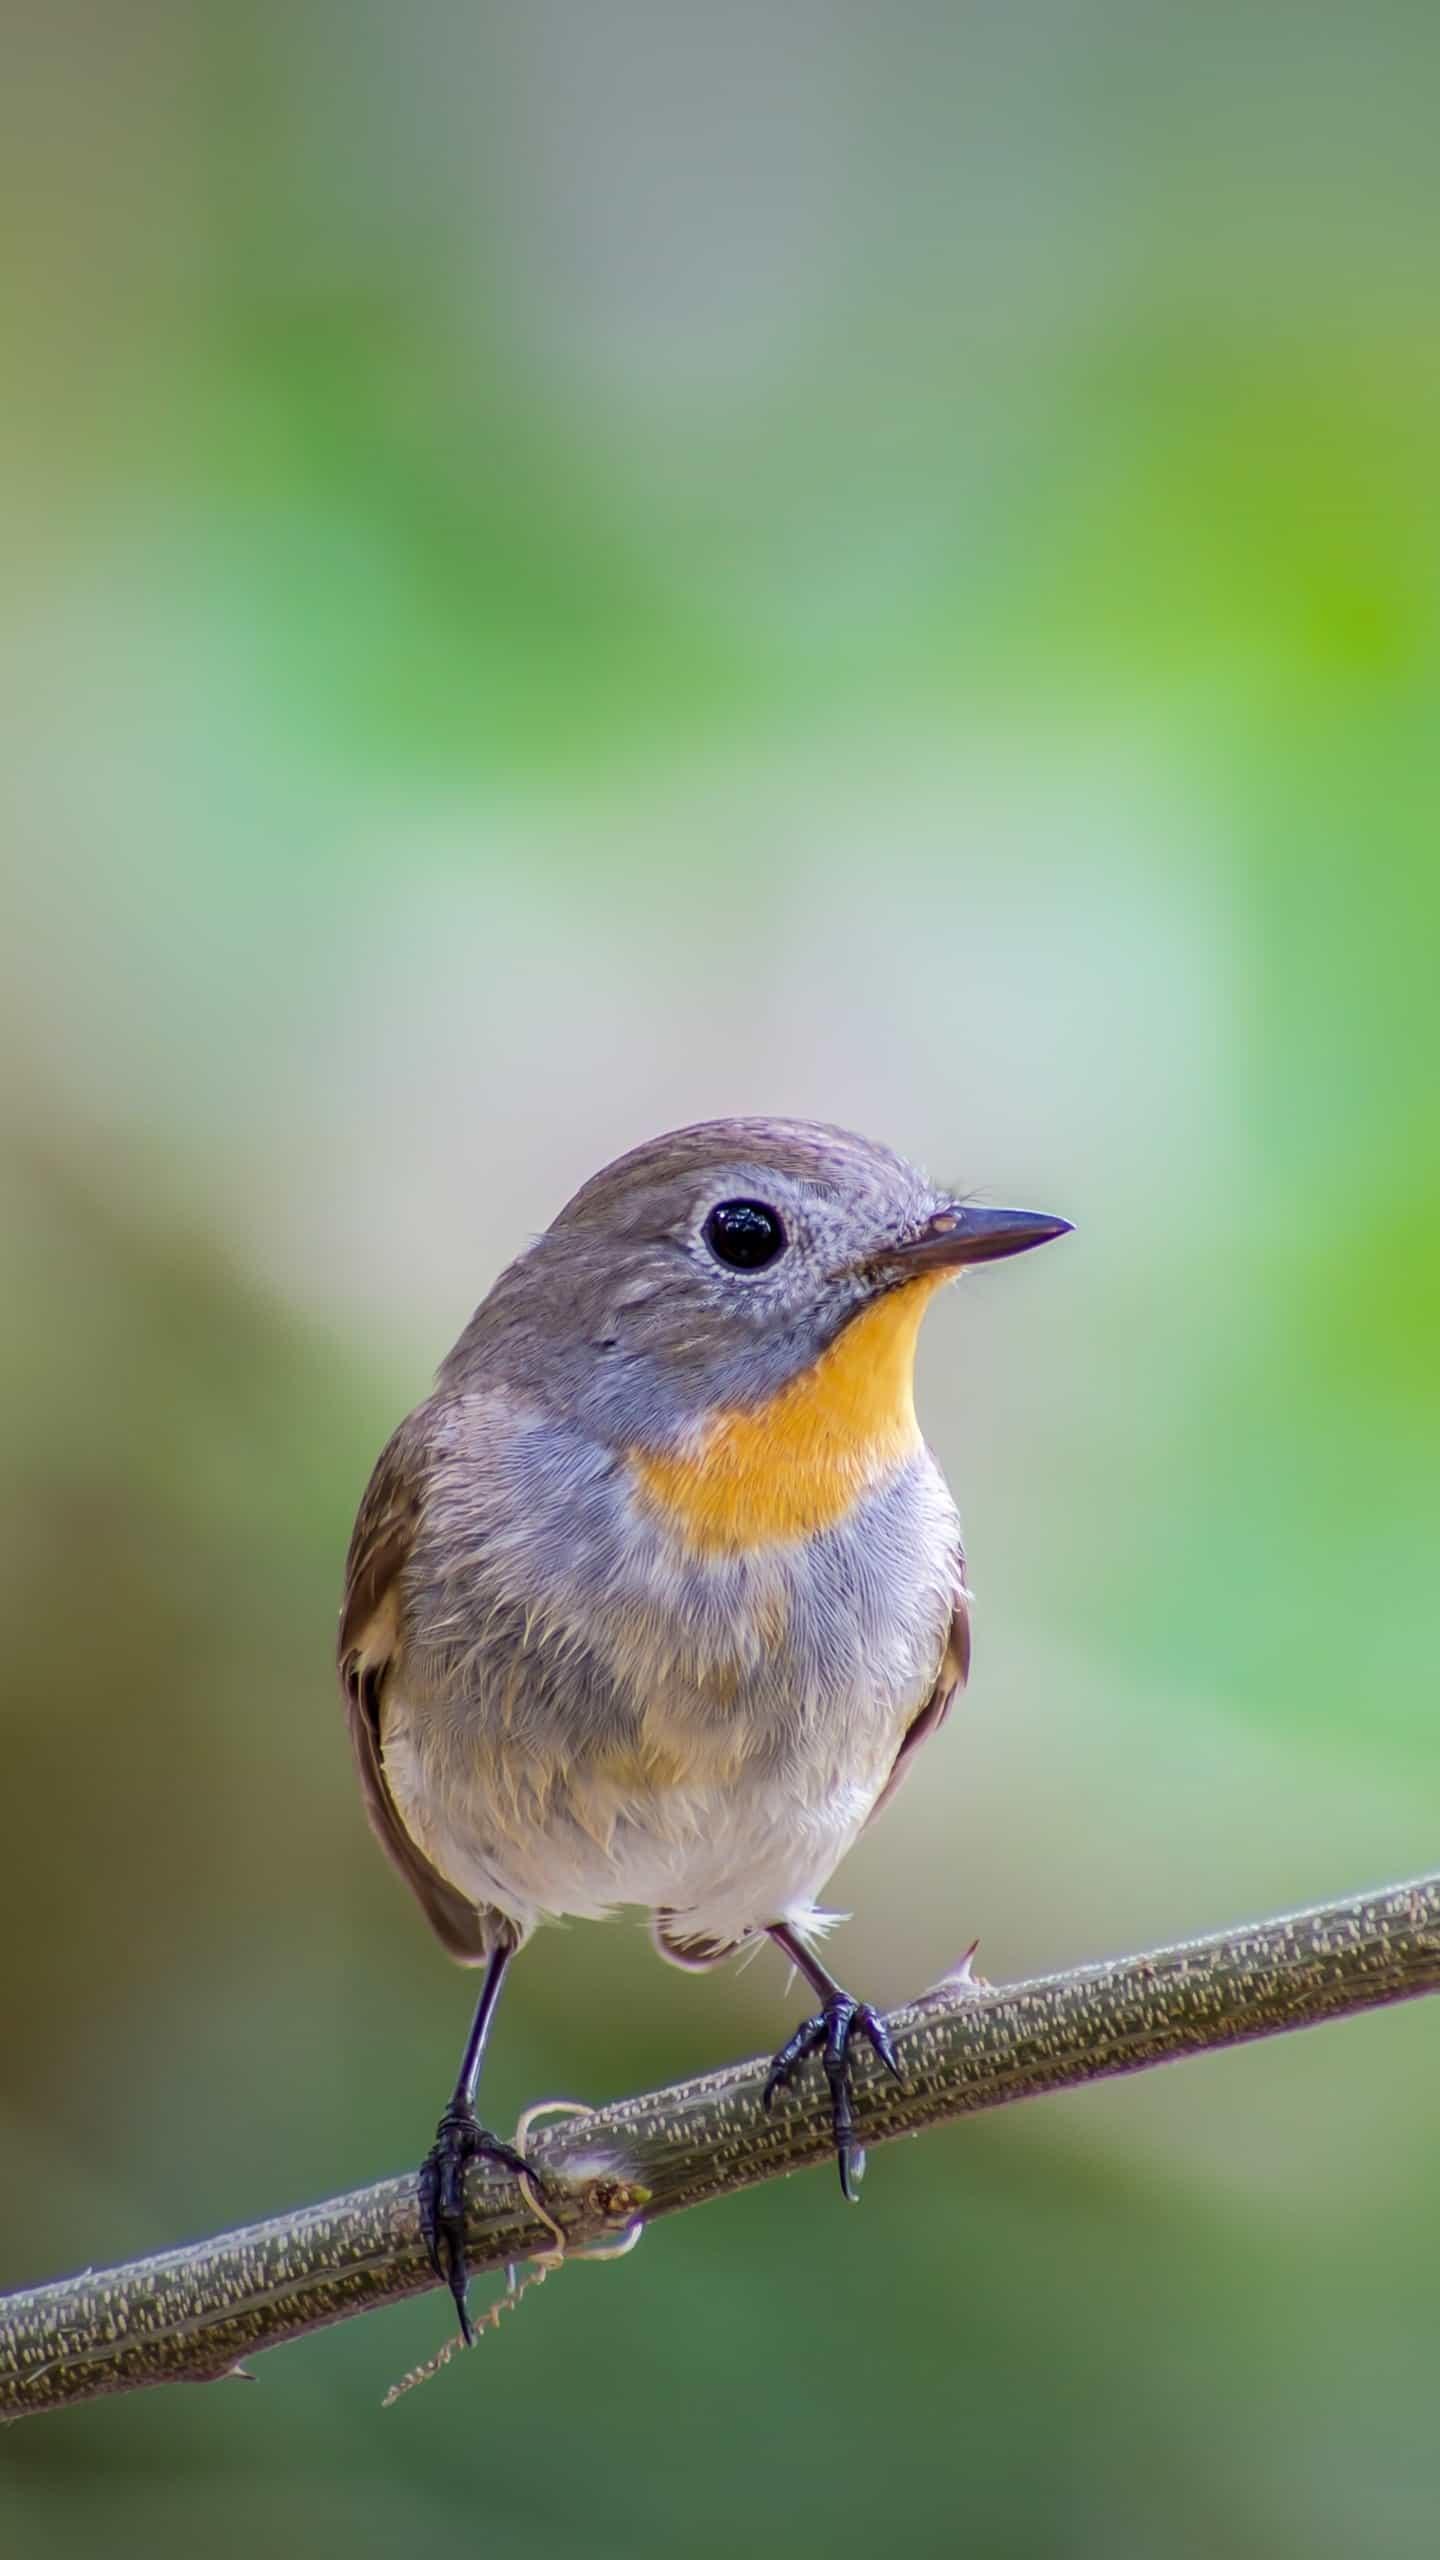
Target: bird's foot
459, 2139
829, 2034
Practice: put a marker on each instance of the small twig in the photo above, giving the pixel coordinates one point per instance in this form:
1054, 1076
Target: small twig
194, 2313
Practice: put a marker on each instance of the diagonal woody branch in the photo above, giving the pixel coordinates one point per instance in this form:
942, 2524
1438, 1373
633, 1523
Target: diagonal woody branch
191, 2314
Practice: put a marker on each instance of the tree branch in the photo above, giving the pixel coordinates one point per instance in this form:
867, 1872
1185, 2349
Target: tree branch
191, 2314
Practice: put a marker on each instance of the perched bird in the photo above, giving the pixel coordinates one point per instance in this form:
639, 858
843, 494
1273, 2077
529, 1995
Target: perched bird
653, 1599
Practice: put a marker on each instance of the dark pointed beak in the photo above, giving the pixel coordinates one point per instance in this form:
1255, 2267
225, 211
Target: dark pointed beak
960, 1234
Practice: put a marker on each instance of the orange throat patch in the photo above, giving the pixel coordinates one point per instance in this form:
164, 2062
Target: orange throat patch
760, 1474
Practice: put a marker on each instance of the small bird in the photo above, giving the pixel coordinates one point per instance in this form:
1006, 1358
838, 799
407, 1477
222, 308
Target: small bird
653, 1599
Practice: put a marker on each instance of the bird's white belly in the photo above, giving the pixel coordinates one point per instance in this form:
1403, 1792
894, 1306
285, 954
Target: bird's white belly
725, 1859
712, 1758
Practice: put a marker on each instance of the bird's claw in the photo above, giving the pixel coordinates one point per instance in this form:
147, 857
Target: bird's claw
829, 2033
459, 2139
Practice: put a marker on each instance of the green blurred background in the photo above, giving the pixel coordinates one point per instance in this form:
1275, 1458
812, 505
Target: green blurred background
570, 568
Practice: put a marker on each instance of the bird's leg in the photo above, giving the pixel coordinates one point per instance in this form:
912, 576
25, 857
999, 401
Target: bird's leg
459, 2139
829, 2034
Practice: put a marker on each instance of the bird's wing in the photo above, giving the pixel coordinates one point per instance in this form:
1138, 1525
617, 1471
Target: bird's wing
949, 1681
369, 1636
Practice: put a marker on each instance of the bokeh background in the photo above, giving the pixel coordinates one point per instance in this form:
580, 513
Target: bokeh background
569, 569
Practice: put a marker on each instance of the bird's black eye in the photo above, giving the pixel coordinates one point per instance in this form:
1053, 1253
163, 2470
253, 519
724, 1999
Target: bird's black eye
744, 1234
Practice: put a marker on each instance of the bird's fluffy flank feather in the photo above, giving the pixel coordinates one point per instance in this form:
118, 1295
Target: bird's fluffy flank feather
369, 1634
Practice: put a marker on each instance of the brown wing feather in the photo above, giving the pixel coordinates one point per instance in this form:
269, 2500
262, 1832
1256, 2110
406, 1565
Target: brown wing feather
950, 1679
369, 1636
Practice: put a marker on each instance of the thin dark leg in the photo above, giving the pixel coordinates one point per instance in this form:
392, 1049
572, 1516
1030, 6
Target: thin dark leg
829, 2034
459, 2139
804, 1962
479, 2036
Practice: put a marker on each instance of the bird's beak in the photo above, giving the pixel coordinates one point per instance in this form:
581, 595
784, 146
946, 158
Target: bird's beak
960, 1234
